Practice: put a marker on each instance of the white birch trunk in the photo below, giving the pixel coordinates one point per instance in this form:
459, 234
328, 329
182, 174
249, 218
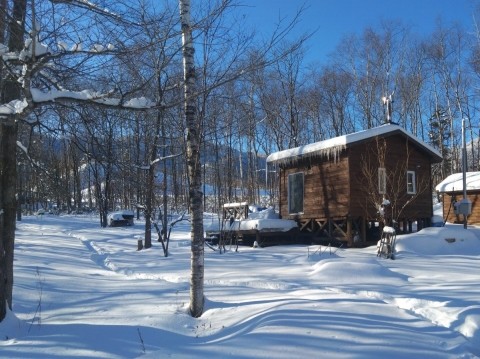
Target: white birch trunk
193, 165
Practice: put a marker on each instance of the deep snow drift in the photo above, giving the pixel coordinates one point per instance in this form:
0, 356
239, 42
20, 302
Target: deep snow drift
85, 292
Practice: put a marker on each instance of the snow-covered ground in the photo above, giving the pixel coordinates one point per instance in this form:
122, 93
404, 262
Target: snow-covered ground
85, 292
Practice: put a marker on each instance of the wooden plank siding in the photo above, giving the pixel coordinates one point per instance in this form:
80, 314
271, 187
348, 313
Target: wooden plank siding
396, 157
326, 189
448, 212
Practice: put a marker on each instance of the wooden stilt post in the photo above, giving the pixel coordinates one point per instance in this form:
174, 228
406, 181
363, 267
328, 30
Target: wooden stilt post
363, 224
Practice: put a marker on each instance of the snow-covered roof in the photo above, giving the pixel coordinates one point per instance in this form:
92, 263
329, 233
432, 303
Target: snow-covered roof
333, 146
454, 182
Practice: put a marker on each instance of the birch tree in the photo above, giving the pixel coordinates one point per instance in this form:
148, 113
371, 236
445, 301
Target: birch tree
237, 68
193, 163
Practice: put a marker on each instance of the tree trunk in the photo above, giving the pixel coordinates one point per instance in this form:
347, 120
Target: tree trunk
8, 171
149, 200
193, 165
8, 144
165, 194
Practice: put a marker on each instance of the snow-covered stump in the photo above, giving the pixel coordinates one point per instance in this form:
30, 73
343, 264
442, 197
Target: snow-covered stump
139, 244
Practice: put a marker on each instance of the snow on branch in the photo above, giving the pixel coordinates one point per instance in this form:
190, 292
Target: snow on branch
155, 161
13, 107
78, 48
33, 162
164, 158
39, 96
85, 4
33, 47
18, 107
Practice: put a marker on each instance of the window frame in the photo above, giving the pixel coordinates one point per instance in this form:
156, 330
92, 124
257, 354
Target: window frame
411, 185
296, 187
382, 180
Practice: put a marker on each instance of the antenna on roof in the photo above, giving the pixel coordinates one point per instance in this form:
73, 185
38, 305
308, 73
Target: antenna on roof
388, 103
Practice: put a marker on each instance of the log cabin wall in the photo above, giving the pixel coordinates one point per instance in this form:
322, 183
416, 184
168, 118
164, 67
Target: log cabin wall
448, 212
397, 153
326, 188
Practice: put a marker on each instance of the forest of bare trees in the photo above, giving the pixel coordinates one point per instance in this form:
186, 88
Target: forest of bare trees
81, 158
102, 109
93, 100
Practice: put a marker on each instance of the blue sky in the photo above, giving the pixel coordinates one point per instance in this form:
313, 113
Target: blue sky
335, 18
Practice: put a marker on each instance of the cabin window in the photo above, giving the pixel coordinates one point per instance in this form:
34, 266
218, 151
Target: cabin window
382, 180
411, 187
295, 192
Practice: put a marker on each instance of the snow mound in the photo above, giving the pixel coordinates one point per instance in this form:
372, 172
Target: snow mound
11, 327
268, 213
470, 324
340, 271
448, 240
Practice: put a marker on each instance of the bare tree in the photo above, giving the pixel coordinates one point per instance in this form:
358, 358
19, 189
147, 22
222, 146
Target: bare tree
334, 91
193, 164
10, 92
50, 62
410, 86
374, 61
236, 69
445, 50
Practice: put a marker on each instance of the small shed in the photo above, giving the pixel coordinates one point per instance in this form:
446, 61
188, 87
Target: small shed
339, 188
451, 191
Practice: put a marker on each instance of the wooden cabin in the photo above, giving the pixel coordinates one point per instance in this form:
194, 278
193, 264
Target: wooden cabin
347, 187
451, 191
